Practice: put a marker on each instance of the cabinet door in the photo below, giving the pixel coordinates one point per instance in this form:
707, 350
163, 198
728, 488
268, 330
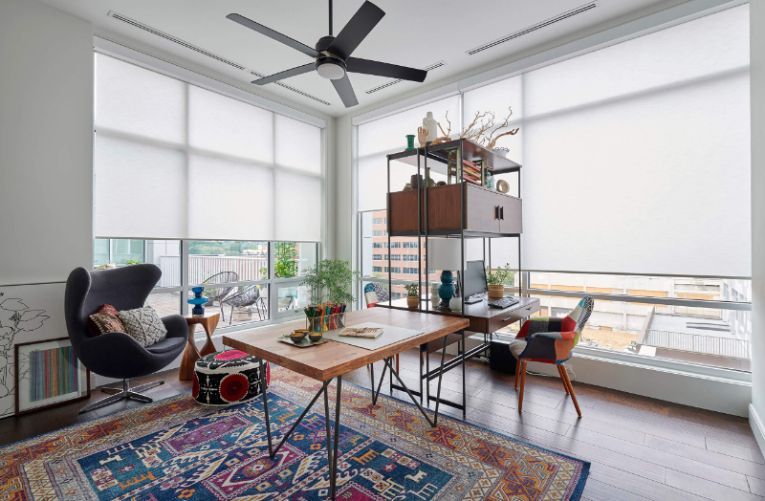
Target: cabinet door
481, 209
510, 220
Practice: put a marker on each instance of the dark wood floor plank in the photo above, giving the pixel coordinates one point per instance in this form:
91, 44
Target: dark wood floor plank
707, 488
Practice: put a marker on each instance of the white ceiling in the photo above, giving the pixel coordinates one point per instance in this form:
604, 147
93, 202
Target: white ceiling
415, 33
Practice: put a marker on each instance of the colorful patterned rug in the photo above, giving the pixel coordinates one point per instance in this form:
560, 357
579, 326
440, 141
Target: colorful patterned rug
177, 449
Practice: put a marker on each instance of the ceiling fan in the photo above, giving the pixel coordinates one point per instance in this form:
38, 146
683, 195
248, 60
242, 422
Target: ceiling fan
332, 54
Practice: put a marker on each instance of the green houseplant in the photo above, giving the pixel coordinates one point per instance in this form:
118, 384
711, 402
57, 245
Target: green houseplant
497, 278
330, 281
412, 296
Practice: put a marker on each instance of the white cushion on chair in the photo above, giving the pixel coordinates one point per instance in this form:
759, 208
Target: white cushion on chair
517, 346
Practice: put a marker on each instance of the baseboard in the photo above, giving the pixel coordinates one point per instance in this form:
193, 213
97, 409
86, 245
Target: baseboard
758, 427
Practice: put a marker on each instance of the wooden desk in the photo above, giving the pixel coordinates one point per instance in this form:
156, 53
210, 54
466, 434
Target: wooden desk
482, 319
332, 360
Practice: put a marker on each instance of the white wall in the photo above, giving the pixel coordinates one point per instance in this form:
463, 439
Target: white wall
757, 33
343, 199
46, 136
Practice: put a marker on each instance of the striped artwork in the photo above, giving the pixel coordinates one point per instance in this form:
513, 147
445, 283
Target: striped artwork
48, 374
52, 372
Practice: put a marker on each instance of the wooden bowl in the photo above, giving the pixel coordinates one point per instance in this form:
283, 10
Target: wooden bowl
297, 335
315, 336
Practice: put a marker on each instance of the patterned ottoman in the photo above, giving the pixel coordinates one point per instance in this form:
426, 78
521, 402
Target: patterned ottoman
227, 377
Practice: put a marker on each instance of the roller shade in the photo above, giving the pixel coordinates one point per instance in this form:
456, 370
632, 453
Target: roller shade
173, 160
636, 157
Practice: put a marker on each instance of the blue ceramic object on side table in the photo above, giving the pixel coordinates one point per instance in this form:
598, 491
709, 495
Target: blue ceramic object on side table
198, 301
446, 289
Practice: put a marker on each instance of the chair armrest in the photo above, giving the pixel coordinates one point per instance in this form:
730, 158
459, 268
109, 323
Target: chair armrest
176, 326
550, 346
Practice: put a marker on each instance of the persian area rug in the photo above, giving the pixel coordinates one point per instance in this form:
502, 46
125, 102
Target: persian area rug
177, 449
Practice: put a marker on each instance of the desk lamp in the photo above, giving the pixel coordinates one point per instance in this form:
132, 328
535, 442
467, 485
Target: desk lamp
444, 254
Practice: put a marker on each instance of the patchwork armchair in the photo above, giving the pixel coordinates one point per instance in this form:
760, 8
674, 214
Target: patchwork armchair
550, 341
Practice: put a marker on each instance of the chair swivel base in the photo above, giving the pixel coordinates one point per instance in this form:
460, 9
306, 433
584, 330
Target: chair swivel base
124, 393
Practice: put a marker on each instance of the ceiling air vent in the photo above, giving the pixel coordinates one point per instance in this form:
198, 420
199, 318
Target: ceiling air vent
175, 40
206, 53
394, 82
530, 29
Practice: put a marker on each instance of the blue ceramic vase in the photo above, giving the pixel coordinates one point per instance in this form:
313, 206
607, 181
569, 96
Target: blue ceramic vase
198, 301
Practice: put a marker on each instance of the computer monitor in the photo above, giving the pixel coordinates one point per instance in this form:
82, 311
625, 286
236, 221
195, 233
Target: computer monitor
475, 278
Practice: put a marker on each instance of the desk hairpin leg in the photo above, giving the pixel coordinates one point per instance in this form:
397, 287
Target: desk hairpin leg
393, 373
331, 447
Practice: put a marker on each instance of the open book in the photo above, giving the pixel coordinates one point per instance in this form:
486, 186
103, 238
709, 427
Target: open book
365, 332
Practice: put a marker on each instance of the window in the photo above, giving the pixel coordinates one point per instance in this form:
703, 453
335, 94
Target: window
395, 257
196, 164
219, 185
631, 127
235, 274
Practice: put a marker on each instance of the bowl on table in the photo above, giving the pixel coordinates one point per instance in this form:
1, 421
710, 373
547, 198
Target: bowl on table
315, 337
298, 335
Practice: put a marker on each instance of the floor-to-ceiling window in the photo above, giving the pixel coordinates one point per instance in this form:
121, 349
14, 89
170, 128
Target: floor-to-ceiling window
214, 190
635, 188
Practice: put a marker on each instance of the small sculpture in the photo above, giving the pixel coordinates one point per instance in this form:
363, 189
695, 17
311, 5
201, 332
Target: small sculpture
198, 301
431, 126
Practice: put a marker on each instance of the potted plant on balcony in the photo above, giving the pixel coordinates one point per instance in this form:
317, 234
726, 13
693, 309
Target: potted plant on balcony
496, 279
412, 296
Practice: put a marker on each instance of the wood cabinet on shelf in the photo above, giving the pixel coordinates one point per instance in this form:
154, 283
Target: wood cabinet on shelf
486, 212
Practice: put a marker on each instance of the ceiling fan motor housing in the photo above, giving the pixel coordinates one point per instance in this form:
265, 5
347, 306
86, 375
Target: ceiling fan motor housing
330, 67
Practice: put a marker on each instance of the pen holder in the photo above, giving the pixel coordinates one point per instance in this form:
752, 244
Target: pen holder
324, 323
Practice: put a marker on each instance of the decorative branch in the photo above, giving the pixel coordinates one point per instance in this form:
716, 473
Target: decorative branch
495, 134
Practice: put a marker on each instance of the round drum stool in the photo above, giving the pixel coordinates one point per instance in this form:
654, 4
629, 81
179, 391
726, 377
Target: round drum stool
227, 377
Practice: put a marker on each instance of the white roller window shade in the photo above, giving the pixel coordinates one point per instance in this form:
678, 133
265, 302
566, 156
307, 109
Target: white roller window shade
298, 212
636, 157
228, 198
225, 125
175, 161
139, 190
298, 145
137, 101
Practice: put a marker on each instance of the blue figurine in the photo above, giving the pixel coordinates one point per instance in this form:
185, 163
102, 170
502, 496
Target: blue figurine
446, 289
198, 301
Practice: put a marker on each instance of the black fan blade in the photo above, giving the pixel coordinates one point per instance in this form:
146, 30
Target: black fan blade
345, 91
279, 37
356, 30
299, 70
369, 67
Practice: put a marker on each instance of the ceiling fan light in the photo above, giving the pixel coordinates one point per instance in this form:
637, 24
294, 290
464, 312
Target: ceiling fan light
331, 70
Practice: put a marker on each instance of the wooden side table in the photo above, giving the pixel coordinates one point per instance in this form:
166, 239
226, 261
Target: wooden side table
209, 321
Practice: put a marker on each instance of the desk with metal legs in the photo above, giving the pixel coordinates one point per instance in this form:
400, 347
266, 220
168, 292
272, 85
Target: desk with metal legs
332, 360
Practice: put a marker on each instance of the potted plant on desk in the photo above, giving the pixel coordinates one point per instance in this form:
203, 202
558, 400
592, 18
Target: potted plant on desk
496, 279
412, 296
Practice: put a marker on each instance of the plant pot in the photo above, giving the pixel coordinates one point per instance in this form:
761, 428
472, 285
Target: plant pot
496, 291
412, 302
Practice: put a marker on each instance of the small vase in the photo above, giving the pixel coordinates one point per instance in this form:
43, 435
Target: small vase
198, 301
496, 291
431, 126
412, 302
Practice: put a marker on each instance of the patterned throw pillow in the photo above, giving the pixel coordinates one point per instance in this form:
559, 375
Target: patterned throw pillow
104, 320
143, 325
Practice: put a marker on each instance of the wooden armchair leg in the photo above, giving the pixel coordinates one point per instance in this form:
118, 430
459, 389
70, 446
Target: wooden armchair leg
517, 373
564, 374
561, 369
523, 385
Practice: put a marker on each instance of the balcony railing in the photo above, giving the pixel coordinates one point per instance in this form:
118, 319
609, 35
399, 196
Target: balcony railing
202, 267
